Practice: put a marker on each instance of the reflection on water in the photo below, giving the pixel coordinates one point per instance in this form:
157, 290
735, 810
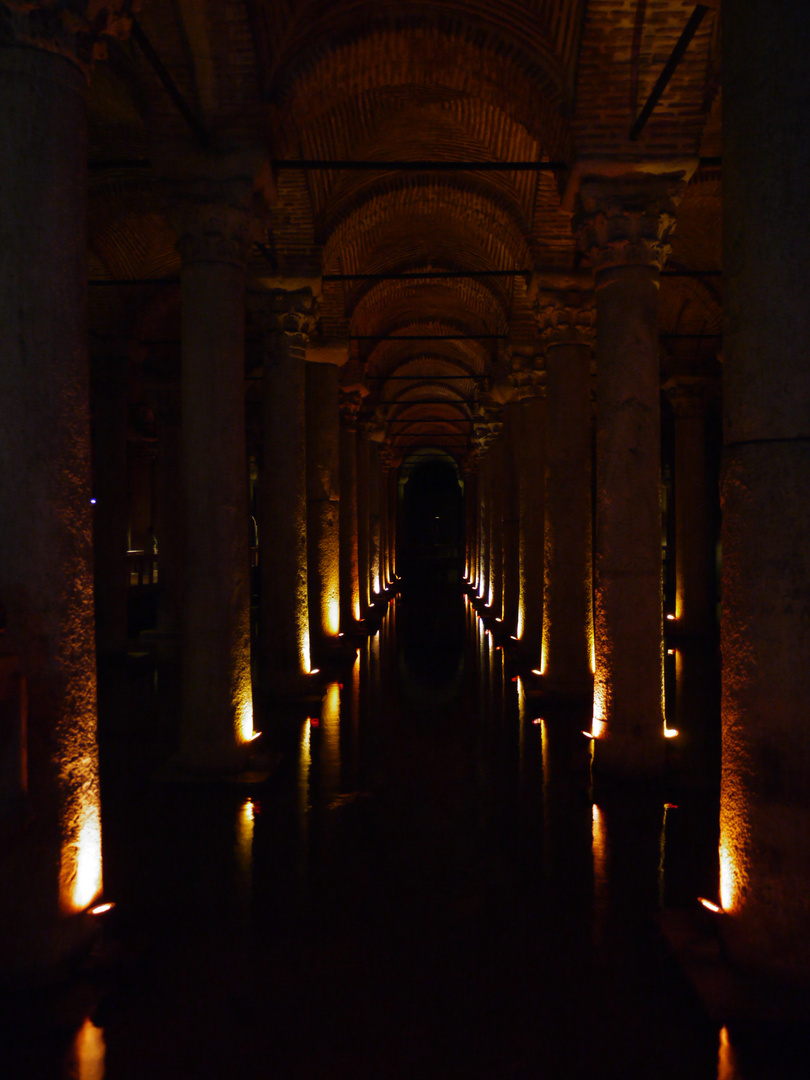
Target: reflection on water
727, 1059
435, 889
86, 1059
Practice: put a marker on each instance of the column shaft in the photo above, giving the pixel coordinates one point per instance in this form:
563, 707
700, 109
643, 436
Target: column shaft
363, 541
568, 618
349, 566
765, 630
628, 691
46, 558
217, 695
323, 501
531, 467
511, 519
284, 640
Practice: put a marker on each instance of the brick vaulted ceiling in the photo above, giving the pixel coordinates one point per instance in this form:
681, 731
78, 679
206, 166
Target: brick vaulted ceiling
416, 81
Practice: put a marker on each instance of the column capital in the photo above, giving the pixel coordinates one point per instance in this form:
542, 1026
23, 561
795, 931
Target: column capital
77, 30
690, 395
215, 222
529, 382
565, 316
291, 313
349, 403
627, 220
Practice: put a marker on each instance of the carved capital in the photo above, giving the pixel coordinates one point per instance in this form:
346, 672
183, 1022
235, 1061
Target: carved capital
349, 403
529, 381
566, 317
292, 314
627, 221
75, 29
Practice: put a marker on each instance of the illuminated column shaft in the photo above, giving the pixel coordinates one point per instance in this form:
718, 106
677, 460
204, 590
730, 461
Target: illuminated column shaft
694, 550
46, 559
511, 520
471, 518
286, 320
623, 224
109, 407
373, 519
393, 495
215, 236
323, 501
567, 321
363, 545
483, 553
497, 480
349, 572
383, 520
765, 630
530, 465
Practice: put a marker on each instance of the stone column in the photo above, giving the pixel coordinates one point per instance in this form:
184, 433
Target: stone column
765, 628
392, 504
471, 520
694, 550
484, 486
530, 451
385, 462
374, 479
46, 559
623, 226
215, 231
567, 319
496, 550
349, 565
286, 320
109, 428
168, 512
323, 503
363, 542
511, 519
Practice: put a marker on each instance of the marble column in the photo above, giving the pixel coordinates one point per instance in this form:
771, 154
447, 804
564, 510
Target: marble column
694, 549
530, 466
484, 488
374, 481
511, 519
765, 626
392, 504
286, 319
349, 564
323, 503
53, 873
496, 548
385, 463
109, 428
363, 541
168, 512
566, 321
215, 232
471, 520
623, 227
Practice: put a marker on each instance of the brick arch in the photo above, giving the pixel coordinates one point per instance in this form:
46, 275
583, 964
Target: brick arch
469, 305
509, 66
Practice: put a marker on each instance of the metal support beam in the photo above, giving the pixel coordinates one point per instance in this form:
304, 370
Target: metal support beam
675, 57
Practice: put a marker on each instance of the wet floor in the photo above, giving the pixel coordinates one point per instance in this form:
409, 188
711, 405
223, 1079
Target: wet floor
428, 885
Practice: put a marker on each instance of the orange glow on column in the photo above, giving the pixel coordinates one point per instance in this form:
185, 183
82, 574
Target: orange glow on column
246, 732
333, 616
728, 880
306, 657
88, 1052
80, 874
